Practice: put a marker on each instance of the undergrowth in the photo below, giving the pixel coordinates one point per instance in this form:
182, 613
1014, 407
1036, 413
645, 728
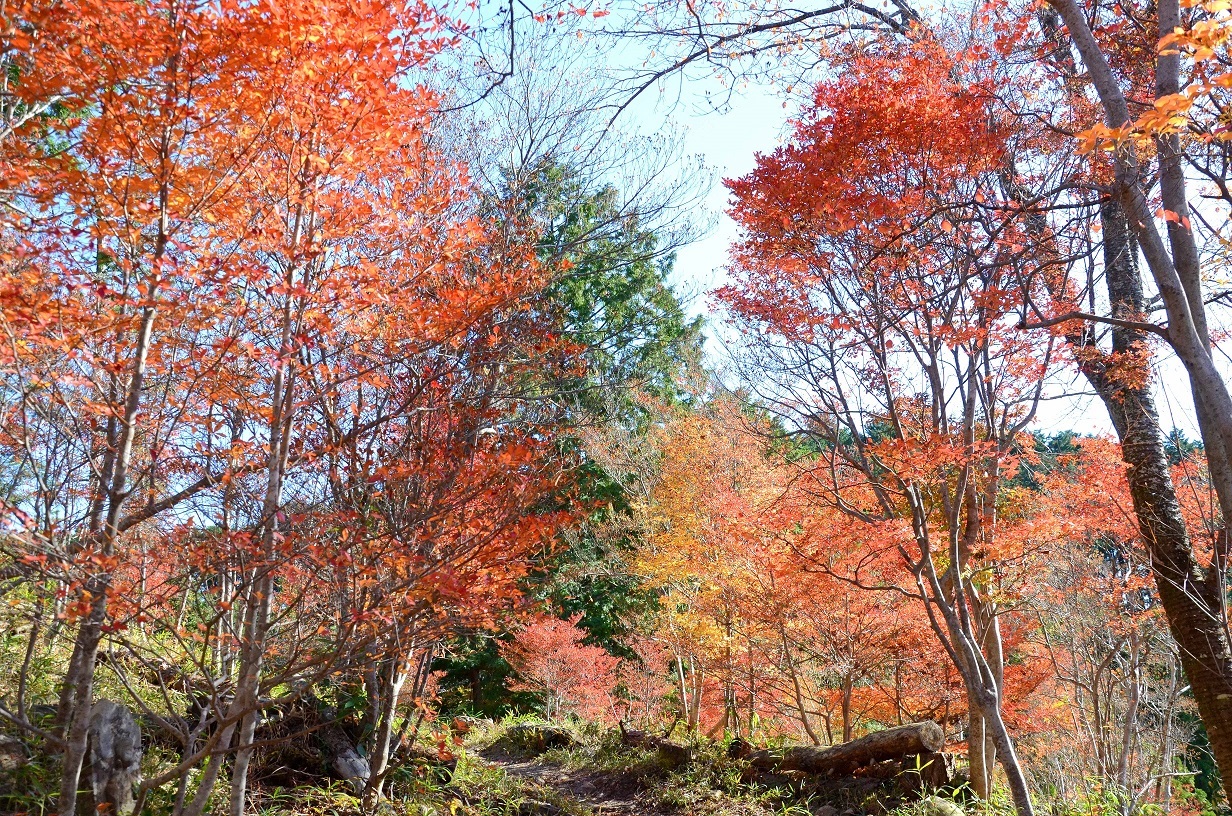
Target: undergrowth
472, 784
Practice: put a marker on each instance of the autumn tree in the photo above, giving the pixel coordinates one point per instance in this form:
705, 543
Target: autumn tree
879, 286
1153, 133
616, 316
1087, 208
854, 655
709, 531
762, 640
573, 678
233, 239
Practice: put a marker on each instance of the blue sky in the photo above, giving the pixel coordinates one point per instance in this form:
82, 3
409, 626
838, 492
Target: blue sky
728, 141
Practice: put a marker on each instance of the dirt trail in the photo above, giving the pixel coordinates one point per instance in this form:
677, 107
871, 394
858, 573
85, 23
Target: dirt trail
603, 794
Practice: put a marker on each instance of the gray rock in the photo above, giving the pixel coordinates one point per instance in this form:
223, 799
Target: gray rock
826, 810
115, 757
344, 759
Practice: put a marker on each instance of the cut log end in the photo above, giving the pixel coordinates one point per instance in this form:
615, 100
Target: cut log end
674, 754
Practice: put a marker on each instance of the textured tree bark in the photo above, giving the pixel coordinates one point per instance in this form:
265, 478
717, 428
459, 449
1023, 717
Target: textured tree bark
1191, 602
113, 760
249, 689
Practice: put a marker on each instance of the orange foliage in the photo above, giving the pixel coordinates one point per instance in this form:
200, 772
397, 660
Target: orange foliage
575, 679
267, 352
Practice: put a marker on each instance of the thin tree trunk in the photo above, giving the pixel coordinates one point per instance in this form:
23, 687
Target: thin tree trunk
209, 778
848, 725
1129, 726
1164, 788
78, 691
695, 674
281, 417
955, 630
395, 677
23, 675
690, 725
250, 689
980, 773
797, 691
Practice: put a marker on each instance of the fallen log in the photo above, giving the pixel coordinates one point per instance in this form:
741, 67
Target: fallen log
892, 743
344, 759
925, 772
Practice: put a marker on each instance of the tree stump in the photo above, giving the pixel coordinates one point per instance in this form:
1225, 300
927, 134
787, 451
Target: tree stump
929, 771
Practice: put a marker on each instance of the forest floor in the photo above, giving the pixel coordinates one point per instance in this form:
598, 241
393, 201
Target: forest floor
594, 775
600, 776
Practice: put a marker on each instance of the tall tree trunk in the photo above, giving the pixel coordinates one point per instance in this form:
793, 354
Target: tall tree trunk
690, 722
209, 777
698, 681
249, 689
261, 596
956, 630
1129, 724
981, 747
977, 753
1192, 597
846, 708
1189, 597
